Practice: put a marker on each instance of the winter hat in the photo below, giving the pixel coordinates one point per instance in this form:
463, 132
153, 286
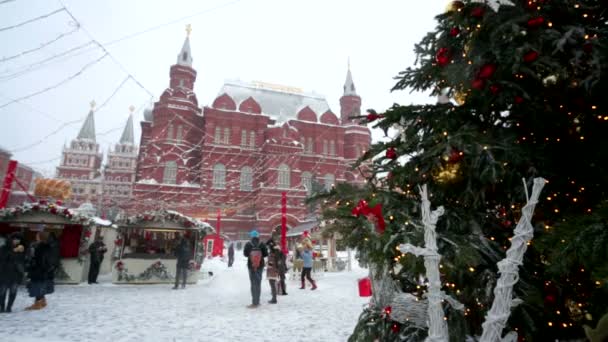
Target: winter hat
253, 234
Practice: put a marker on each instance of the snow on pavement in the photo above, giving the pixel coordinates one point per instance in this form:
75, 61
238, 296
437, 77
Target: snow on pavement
212, 310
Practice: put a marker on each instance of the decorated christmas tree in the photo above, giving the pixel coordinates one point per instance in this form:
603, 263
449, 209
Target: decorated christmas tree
521, 88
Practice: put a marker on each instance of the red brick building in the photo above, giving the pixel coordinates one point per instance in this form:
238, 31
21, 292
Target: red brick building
255, 141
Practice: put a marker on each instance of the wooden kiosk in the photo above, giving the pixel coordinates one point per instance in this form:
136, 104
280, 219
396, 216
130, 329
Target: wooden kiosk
147, 244
72, 228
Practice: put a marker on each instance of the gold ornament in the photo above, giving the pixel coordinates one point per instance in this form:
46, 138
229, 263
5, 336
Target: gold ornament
454, 6
460, 97
448, 173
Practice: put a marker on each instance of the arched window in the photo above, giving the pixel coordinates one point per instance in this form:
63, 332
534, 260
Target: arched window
170, 174
185, 56
307, 181
283, 177
252, 139
310, 146
180, 133
332, 147
218, 135
227, 136
219, 176
243, 137
170, 132
246, 178
325, 147
329, 181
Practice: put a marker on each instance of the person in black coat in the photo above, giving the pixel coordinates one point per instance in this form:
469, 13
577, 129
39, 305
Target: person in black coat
183, 254
255, 249
12, 269
41, 270
230, 254
96, 250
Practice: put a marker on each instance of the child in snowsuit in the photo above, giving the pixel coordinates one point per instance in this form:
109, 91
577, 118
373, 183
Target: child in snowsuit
307, 257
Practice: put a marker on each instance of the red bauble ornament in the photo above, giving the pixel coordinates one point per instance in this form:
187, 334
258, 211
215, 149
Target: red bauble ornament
395, 328
588, 47
495, 89
478, 12
530, 56
478, 84
507, 224
391, 153
373, 117
53, 210
443, 56
388, 310
535, 22
43, 202
487, 71
455, 156
519, 100
455, 31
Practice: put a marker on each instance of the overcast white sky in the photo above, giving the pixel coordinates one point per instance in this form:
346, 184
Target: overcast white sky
304, 44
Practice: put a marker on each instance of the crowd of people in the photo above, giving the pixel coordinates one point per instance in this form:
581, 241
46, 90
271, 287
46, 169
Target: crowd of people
276, 266
36, 264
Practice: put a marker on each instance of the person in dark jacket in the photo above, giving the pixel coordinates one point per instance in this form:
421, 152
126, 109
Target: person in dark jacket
230, 254
255, 252
41, 271
272, 270
282, 267
183, 254
96, 250
12, 269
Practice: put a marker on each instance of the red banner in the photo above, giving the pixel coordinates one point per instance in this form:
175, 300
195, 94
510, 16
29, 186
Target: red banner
284, 222
8, 183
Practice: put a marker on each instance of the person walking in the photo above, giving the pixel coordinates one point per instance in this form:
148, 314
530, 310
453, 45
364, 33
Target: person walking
231, 254
40, 271
272, 269
183, 254
307, 257
12, 269
96, 250
255, 252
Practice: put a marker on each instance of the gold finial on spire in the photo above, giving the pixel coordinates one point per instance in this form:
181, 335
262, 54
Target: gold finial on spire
93, 104
188, 30
131, 108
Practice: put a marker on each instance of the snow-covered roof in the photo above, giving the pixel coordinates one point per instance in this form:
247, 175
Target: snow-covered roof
281, 103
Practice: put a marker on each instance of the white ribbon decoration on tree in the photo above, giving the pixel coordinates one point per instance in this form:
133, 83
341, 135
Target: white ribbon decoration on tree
438, 328
508, 268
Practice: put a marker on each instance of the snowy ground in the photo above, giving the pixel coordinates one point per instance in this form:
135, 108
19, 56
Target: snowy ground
212, 310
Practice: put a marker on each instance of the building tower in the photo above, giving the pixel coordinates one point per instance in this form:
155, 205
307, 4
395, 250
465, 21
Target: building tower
172, 134
119, 172
81, 162
350, 102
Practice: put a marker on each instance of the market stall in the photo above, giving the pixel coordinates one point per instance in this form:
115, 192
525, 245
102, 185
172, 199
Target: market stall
146, 247
74, 231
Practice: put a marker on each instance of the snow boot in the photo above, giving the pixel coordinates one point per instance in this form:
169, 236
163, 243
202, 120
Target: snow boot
43, 303
2, 299
314, 285
272, 301
36, 306
252, 306
303, 285
11, 300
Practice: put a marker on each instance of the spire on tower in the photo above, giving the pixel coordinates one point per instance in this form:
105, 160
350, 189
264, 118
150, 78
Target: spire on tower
127, 134
88, 128
185, 55
349, 85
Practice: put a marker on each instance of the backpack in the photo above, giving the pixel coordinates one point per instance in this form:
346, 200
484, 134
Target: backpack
255, 256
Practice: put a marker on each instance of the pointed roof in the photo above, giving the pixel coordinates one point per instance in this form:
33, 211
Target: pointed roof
185, 55
127, 134
349, 85
88, 128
